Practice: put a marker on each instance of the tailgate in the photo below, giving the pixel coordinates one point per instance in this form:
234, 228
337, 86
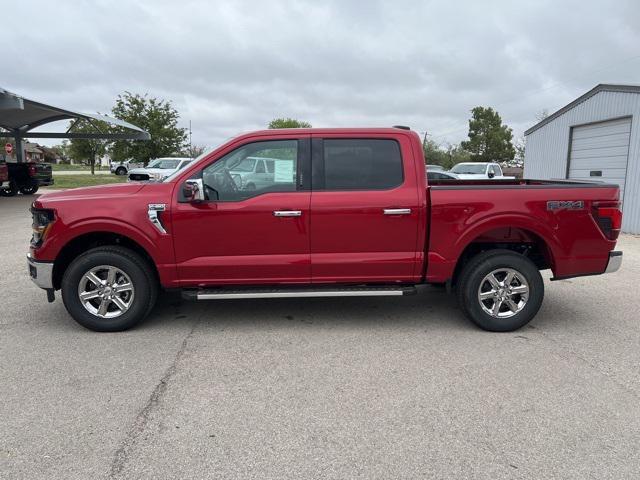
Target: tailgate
43, 174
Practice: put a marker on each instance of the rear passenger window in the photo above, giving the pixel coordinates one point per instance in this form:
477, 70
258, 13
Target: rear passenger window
362, 164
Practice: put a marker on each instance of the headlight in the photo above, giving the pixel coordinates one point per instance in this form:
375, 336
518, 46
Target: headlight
42, 220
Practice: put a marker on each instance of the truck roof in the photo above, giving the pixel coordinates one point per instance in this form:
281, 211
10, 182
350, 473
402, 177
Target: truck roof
358, 130
477, 163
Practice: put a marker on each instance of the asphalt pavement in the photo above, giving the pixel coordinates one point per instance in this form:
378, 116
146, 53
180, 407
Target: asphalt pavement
372, 388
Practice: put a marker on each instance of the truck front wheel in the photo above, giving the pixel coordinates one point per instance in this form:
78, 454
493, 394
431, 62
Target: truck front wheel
500, 290
12, 191
109, 289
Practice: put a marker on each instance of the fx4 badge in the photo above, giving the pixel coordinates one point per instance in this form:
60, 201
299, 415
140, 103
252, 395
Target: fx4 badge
565, 205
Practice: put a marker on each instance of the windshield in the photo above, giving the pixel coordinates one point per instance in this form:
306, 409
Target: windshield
164, 163
245, 165
467, 168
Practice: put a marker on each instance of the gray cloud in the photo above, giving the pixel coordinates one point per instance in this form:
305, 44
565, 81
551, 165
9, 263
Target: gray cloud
233, 66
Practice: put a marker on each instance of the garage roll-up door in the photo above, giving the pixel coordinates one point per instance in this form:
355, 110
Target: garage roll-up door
599, 151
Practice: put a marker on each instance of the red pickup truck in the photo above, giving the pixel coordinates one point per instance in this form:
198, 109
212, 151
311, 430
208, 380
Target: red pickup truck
319, 213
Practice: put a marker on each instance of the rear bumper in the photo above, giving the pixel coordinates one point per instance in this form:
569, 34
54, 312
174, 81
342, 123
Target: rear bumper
615, 261
43, 182
41, 273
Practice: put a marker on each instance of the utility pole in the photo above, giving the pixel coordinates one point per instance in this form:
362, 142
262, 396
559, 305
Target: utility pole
190, 148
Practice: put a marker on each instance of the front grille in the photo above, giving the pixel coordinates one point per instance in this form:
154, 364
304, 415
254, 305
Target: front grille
138, 177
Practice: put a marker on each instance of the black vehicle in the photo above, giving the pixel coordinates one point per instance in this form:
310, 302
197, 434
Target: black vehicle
26, 178
440, 175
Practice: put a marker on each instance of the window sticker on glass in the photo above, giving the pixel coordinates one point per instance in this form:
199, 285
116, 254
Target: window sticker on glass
283, 171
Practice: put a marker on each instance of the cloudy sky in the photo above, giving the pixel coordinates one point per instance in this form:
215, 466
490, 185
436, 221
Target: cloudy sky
233, 66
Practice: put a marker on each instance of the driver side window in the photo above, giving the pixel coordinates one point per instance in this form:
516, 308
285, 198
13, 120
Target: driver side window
241, 173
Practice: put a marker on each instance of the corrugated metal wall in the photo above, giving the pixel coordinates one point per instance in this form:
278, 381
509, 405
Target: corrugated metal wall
548, 147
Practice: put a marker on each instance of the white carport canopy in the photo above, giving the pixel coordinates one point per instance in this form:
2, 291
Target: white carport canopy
19, 116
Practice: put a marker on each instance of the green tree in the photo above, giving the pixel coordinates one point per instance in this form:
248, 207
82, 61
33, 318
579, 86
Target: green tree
434, 154
288, 123
87, 150
489, 140
446, 157
457, 154
158, 117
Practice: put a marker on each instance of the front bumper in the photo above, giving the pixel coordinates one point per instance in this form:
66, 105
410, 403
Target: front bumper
615, 261
41, 273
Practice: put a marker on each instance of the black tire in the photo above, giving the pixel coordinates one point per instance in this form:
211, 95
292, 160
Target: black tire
29, 189
472, 279
142, 277
12, 191
121, 171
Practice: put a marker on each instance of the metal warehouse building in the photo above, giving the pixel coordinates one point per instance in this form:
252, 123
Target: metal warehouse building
595, 137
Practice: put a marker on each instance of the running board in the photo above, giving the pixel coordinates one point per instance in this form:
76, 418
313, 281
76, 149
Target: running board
229, 294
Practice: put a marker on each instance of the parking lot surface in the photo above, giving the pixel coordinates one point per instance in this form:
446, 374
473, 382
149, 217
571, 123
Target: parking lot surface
320, 388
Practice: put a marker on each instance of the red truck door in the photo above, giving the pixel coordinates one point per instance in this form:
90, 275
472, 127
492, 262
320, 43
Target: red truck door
248, 232
365, 209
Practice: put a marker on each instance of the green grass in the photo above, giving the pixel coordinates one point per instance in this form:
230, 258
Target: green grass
65, 167
75, 181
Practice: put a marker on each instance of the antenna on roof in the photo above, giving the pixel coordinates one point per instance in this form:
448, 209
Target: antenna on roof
402, 127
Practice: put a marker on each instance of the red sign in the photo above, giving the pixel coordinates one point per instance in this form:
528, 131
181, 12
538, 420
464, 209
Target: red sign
8, 148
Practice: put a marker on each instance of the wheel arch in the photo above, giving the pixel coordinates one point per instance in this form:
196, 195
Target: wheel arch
86, 241
528, 240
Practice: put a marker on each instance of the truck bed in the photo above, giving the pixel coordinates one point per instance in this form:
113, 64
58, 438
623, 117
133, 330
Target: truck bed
515, 183
554, 215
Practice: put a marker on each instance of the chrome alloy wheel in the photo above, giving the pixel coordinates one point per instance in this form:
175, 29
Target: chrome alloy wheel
503, 293
106, 291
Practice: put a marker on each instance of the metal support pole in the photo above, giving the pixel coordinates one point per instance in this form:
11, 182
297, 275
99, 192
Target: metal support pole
19, 149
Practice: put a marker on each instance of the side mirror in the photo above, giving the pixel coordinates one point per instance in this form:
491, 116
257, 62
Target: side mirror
491, 174
193, 190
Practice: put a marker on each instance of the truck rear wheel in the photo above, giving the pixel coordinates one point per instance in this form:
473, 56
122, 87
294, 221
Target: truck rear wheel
121, 171
29, 189
500, 290
109, 289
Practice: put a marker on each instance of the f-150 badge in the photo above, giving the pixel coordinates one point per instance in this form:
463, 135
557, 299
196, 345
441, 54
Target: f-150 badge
565, 205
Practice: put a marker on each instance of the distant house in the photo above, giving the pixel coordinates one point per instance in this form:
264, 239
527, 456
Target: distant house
33, 152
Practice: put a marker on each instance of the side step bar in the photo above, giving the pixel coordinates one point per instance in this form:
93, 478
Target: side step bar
229, 294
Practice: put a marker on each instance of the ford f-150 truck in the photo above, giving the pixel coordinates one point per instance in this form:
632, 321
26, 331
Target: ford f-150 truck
346, 212
27, 178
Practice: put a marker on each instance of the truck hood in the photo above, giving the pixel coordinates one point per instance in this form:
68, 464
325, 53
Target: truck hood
471, 176
163, 171
116, 190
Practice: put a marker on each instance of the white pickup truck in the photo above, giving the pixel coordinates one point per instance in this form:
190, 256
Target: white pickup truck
479, 171
158, 169
122, 168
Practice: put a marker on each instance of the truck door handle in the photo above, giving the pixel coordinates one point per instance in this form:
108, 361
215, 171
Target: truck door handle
397, 211
287, 213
